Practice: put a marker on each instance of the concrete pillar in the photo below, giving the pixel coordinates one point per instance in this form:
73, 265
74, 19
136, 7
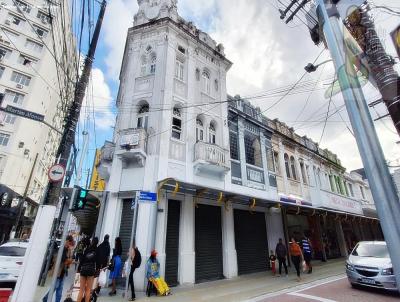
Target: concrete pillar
342, 242
319, 230
230, 265
186, 242
242, 151
282, 166
161, 232
145, 237
275, 229
263, 142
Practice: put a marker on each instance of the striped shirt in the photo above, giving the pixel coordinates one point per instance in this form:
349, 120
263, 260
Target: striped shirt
306, 246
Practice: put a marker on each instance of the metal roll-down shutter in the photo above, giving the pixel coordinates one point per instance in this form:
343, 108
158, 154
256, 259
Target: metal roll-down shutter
208, 243
251, 242
172, 243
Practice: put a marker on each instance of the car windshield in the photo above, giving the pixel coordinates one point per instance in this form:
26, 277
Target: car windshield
371, 250
14, 251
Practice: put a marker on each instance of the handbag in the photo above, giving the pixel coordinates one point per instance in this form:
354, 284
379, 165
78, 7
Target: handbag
102, 278
112, 264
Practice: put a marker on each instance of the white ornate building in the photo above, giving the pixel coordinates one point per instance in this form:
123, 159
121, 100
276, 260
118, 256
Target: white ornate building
209, 157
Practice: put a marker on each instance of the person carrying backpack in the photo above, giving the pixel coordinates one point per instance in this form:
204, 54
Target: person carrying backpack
135, 260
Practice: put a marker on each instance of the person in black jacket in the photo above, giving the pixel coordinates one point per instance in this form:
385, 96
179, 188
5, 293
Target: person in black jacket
281, 253
135, 259
87, 270
103, 257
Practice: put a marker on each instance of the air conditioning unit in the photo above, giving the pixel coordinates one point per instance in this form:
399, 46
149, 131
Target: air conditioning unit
19, 86
7, 22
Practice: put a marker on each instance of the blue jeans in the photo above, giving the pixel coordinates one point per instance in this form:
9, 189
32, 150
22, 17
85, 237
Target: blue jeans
58, 290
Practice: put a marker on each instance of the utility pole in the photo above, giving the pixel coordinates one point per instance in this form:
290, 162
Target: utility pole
26, 286
381, 183
362, 27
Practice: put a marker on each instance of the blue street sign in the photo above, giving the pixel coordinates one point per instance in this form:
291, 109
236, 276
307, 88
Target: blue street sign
147, 196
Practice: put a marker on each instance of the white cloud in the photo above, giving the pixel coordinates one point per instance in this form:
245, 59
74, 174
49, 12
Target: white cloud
98, 96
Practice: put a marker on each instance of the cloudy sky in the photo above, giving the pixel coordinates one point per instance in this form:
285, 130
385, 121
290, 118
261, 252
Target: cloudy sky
267, 54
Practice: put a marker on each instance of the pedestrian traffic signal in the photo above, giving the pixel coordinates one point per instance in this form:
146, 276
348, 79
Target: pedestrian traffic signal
80, 200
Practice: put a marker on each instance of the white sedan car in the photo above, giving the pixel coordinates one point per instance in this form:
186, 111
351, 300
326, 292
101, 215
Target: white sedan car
11, 259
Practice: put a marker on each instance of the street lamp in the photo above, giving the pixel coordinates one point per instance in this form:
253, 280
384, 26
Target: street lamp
312, 68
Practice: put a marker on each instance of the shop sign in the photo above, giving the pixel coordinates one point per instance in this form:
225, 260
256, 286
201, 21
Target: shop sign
295, 200
344, 204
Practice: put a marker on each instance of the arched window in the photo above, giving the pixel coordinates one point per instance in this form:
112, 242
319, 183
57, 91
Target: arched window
212, 134
199, 130
177, 123
206, 81
143, 66
287, 166
153, 64
293, 167
143, 116
319, 177
303, 171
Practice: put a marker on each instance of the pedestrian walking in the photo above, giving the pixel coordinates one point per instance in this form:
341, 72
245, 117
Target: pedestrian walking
153, 276
103, 257
115, 265
307, 252
272, 260
296, 256
135, 259
87, 270
281, 254
66, 260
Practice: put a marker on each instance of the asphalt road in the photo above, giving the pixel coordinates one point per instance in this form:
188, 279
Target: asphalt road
334, 291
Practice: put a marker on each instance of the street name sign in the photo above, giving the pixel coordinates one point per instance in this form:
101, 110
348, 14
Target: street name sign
56, 173
24, 113
147, 197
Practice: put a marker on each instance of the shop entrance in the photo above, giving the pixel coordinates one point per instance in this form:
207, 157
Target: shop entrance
251, 242
208, 243
172, 243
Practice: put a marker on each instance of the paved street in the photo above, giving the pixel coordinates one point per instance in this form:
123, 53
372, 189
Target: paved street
337, 290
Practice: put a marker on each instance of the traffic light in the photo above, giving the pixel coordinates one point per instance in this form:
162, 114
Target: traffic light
80, 200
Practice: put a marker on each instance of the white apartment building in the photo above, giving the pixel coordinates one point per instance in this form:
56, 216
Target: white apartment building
217, 165
32, 34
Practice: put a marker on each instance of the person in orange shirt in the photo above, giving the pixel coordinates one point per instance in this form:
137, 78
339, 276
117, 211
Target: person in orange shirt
296, 255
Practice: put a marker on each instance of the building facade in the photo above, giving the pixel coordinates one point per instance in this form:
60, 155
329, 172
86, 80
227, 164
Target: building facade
38, 68
229, 181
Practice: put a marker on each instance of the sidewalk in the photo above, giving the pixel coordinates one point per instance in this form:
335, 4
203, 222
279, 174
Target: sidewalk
241, 288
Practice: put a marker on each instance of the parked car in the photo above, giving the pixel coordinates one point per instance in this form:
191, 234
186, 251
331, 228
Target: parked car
369, 264
11, 259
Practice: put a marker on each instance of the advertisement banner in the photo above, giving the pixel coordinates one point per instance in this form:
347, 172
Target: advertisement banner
96, 183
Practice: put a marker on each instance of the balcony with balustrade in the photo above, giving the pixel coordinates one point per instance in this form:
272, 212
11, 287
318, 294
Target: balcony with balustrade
132, 146
210, 159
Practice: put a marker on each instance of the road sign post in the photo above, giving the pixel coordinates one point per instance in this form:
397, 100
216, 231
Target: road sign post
56, 173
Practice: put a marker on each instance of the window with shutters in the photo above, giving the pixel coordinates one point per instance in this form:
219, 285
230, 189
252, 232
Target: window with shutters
293, 167
143, 116
271, 159
287, 165
212, 134
206, 82
234, 145
199, 130
9, 119
179, 69
177, 123
34, 46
